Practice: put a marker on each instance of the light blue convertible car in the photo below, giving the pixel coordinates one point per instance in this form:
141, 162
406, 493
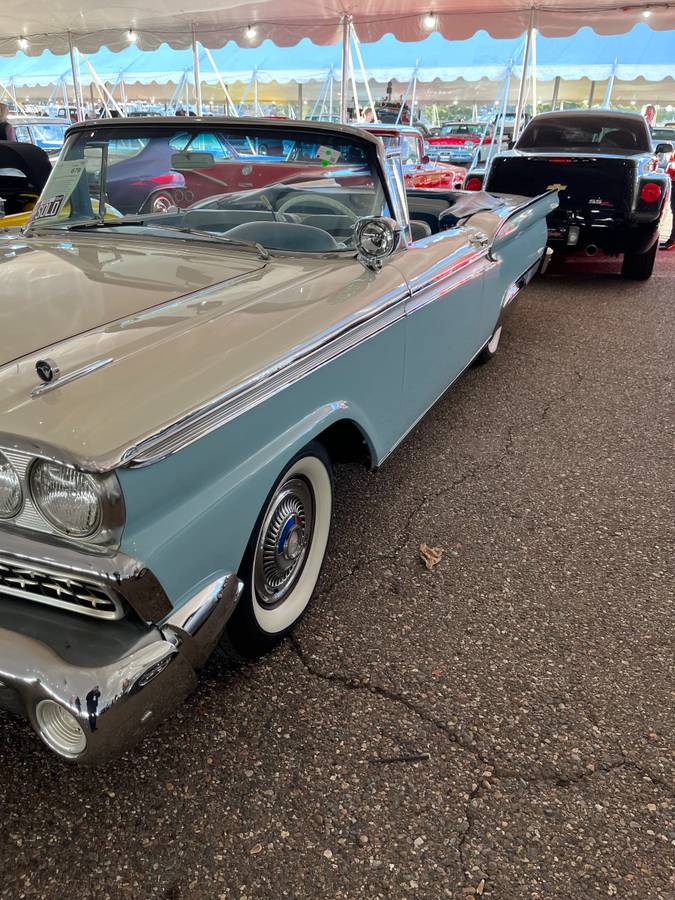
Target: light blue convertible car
176, 386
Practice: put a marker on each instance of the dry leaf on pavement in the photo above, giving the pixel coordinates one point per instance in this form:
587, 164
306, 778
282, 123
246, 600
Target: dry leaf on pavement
431, 556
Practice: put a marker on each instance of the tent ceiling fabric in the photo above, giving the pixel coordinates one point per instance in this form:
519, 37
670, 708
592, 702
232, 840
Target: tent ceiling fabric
97, 23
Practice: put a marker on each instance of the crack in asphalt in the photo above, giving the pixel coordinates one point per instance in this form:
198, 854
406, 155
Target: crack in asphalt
462, 738
564, 396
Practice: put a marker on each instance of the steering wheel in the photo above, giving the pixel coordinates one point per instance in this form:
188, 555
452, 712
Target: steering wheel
334, 205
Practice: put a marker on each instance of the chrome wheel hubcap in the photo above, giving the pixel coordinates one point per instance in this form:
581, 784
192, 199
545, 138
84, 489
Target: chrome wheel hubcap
284, 541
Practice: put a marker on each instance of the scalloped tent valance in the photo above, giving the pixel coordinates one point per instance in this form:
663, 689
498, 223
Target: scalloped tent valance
97, 23
639, 53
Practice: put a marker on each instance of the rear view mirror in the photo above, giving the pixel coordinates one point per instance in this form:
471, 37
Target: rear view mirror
185, 161
664, 148
425, 159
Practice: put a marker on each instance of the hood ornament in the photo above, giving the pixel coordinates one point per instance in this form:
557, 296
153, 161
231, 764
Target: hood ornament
47, 370
50, 375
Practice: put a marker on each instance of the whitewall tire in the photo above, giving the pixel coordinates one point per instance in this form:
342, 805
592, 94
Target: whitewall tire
285, 553
490, 349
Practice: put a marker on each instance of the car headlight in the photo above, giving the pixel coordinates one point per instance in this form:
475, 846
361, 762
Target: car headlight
68, 499
11, 495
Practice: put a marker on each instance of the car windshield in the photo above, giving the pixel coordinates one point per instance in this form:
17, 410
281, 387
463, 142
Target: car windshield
407, 144
49, 135
600, 134
285, 188
461, 128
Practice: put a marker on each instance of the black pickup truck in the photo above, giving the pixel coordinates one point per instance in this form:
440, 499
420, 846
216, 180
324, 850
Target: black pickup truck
604, 166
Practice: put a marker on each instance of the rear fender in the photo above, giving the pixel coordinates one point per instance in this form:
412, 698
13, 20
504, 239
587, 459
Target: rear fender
520, 240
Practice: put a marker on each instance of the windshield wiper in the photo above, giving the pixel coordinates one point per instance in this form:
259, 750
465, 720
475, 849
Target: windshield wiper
150, 223
251, 245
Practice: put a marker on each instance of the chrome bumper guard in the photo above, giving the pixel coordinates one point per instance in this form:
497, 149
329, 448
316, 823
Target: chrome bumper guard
117, 679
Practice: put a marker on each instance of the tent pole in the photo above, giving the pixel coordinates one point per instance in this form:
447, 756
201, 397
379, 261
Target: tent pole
75, 68
556, 91
413, 99
352, 76
607, 101
330, 95
534, 71
591, 95
195, 71
231, 108
523, 77
344, 73
357, 49
256, 105
301, 102
66, 99
102, 89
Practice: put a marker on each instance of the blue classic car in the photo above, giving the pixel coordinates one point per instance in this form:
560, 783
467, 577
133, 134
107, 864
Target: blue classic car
176, 386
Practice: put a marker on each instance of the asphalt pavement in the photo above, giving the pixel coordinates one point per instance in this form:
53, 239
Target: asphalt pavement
500, 726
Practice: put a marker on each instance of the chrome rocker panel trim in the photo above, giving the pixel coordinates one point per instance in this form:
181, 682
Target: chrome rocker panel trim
143, 682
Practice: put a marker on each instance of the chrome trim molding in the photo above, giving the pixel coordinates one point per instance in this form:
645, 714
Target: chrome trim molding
324, 349
118, 701
464, 270
266, 384
67, 377
112, 572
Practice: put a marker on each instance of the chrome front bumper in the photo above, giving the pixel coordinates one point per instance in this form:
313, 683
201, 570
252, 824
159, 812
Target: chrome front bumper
119, 679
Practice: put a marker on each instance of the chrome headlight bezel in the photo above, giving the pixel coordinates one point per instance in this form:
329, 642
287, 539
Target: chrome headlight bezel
108, 496
112, 513
4, 460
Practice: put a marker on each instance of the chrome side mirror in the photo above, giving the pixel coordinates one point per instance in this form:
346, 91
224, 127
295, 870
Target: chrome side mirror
375, 238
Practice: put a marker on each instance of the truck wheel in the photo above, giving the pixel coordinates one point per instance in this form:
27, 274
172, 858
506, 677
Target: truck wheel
639, 266
285, 554
490, 349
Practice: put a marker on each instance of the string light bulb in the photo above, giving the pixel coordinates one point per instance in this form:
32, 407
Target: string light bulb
251, 32
647, 13
429, 21
132, 37
23, 43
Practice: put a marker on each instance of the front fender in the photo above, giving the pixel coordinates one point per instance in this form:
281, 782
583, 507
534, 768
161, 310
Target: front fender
199, 531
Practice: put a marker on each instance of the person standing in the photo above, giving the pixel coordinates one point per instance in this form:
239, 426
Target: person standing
6, 127
669, 243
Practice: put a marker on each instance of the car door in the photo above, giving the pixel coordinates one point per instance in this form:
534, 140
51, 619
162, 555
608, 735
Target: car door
444, 313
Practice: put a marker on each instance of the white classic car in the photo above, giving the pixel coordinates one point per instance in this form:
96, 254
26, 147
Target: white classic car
202, 317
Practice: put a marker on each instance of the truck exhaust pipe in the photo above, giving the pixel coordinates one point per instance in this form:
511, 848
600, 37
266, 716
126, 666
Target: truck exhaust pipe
592, 250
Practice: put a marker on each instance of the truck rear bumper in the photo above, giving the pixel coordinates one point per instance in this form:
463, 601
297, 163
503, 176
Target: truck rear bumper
614, 238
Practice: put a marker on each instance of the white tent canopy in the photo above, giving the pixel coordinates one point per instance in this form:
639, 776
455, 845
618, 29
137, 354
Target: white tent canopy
96, 23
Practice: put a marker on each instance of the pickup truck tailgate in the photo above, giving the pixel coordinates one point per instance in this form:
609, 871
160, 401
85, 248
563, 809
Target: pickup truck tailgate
584, 184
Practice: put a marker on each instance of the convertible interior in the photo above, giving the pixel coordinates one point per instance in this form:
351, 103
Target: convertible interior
284, 218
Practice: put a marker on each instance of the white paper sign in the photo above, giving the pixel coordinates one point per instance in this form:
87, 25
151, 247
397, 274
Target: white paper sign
61, 185
328, 155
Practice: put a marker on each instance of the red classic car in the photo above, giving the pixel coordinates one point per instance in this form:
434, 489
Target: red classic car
418, 169
456, 142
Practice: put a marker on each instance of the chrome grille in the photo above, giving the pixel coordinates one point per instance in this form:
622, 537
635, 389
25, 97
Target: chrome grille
85, 597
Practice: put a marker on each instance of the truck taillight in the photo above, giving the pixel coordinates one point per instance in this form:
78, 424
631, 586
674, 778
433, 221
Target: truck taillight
650, 193
474, 183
